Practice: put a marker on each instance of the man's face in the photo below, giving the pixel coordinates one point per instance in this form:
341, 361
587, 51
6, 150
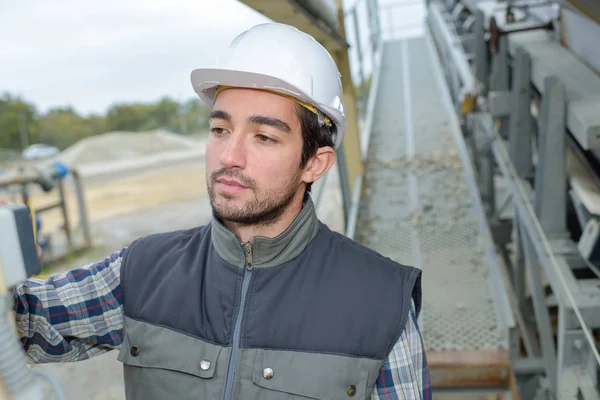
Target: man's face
253, 156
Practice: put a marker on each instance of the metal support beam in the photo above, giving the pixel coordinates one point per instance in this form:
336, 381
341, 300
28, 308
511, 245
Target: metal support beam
485, 168
65, 214
468, 24
352, 158
84, 223
528, 366
520, 117
519, 264
359, 53
374, 26
542, 316
577, 367
576, 385
551, 175
343, 173
487, 175
576, 362
481, 52
451, 51
378, 41
500, 81
579, 304
458, 8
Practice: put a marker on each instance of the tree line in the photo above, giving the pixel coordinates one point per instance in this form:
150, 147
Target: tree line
21, 124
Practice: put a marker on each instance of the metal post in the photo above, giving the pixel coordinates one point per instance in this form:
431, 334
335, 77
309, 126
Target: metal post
361, 71
377, 25
83, 216
485, 166
487, 175
391, 24
577, 368
344, 183
542, 315
519, 274
372, 29
530, 340
551, 176
499, 80
63, 207
520, 117
481, 51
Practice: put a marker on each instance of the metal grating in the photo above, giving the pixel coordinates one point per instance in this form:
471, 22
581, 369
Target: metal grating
417, 210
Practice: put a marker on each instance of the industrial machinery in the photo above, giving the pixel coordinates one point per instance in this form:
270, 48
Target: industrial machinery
18, 261
19, 234
48, 178
525, 80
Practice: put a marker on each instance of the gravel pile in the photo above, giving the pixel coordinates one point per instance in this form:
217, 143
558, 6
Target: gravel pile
119, 146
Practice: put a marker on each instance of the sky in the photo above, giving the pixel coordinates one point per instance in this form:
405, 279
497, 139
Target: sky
89, 55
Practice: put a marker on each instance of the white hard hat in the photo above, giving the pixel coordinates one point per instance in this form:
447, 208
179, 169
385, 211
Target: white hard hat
282, 59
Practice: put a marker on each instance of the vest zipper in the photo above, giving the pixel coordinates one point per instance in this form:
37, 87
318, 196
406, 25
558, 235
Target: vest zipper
238, 322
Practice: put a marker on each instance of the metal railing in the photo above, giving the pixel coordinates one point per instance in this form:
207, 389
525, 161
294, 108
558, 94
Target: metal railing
367, 33
370, 23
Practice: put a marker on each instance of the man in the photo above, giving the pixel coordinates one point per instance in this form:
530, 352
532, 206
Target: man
265, 302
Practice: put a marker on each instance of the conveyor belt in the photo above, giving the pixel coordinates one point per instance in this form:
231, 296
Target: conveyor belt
417, 209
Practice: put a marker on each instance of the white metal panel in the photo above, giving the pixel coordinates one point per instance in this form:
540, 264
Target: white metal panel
582, 36
11, 256
549, 58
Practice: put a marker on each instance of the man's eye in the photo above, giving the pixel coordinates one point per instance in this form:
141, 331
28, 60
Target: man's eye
265, 139
218, 131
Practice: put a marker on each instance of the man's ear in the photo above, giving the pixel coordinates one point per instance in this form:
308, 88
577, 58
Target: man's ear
319, 164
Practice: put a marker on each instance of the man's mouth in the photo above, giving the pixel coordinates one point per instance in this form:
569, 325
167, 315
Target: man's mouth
231, 182
229, 185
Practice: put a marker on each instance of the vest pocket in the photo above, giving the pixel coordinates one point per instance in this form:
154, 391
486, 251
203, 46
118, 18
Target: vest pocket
161, 362
297, 375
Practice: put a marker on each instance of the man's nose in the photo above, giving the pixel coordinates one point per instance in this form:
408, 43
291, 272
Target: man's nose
234, 153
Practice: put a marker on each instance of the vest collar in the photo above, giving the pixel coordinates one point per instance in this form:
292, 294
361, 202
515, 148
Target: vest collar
268, 252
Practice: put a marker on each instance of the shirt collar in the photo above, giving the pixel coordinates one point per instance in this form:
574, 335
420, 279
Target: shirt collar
268, 252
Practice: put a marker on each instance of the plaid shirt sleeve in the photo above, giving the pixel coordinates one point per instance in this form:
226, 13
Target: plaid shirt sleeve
71, 316
405, 374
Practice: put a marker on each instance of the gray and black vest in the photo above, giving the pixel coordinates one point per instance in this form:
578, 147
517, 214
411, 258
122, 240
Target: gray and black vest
308, 314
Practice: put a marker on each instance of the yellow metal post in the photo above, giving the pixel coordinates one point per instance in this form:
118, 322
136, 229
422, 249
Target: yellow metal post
354, 163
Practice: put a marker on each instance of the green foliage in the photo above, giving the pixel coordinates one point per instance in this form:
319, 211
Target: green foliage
16, 115
63, 126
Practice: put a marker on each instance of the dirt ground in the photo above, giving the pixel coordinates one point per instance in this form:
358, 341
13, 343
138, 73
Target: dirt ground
122, 195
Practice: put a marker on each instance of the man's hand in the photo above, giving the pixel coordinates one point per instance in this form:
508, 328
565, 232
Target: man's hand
37, 246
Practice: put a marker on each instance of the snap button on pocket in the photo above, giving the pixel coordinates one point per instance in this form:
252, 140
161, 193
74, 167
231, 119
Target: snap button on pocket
351, 390
267, 373
134, 351
204, 365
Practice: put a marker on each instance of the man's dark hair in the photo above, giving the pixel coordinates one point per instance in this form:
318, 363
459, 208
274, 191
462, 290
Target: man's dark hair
313, 136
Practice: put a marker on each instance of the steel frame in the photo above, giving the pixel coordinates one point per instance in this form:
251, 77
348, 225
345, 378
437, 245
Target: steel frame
559, 356
24, 178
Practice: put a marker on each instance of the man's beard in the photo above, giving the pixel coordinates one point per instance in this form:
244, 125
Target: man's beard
263, 212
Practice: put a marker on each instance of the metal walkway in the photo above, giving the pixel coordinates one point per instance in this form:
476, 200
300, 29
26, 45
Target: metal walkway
418, 211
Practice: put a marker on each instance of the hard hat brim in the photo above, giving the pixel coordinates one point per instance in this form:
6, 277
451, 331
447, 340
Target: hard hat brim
206, 80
